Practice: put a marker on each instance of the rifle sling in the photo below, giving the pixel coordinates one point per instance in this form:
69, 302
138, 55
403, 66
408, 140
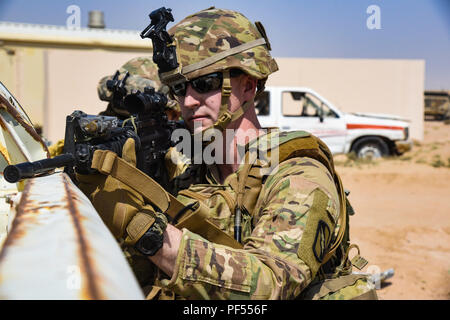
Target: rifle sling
195, 219
108, 163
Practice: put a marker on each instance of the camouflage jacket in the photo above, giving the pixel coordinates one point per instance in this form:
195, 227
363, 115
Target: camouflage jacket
296, 192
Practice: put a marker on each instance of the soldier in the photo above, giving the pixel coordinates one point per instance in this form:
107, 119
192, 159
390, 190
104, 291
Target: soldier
252, 228
143, 73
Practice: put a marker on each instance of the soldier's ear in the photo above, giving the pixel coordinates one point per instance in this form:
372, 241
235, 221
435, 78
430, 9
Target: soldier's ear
250, 85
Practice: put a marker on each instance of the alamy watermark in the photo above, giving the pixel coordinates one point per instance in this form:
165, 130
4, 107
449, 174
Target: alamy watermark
73, 21
374, 19
213, 146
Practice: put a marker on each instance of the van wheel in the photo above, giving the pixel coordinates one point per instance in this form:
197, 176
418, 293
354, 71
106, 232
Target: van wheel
371, 148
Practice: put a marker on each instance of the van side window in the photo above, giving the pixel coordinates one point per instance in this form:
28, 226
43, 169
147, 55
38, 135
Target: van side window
303, 104
262, 104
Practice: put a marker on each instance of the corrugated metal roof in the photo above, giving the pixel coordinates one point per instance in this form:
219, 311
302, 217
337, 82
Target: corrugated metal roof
51, 34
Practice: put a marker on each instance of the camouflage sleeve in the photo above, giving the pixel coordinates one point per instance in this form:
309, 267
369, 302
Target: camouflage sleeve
278, 258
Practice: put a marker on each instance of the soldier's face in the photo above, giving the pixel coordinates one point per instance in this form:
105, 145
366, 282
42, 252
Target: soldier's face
201, 110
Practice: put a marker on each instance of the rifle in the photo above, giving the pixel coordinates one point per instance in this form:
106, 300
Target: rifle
148, 126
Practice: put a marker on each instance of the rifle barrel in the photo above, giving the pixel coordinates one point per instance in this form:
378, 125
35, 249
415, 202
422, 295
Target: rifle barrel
17, 172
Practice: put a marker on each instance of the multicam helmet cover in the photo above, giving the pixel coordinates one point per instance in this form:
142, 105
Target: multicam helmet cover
143, 73
213, 34
217, 40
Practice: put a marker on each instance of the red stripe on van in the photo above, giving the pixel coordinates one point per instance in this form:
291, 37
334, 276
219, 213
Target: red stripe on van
351, 126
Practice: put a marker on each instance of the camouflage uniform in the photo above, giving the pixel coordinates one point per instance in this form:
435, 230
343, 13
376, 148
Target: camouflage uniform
277, 258
268, 266
294, 219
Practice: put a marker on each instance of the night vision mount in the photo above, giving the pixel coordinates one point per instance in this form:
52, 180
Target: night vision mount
164, 46
164, 54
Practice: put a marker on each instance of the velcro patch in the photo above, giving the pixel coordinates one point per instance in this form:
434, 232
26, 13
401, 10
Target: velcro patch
321, 241
317, 235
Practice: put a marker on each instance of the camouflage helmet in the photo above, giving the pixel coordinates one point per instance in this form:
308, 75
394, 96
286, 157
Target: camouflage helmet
143, 73
213, 40
217, 40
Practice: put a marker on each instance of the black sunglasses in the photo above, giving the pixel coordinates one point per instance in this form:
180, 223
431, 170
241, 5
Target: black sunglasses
203, 84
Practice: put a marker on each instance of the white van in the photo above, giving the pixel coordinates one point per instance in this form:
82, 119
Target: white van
299, 108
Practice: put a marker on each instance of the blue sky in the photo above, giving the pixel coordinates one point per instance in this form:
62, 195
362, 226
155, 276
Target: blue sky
418, 29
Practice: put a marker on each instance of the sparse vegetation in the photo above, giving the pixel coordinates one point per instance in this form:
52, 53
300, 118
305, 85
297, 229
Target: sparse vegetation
405, 157
352, 160
410, 184
417, 143
437, 162
433, 151
421, 160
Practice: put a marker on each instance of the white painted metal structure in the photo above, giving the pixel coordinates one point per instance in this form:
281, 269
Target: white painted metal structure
53, 243
19, 142
59, 248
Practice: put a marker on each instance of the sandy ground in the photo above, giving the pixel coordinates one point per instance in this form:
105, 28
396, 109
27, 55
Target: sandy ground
402, 218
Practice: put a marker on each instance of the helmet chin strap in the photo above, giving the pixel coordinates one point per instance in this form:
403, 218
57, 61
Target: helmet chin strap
225, 116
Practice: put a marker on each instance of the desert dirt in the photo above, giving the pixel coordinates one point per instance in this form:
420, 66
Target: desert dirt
402, 218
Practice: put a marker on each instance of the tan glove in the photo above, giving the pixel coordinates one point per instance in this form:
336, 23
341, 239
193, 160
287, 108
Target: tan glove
57, 148
121, 207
